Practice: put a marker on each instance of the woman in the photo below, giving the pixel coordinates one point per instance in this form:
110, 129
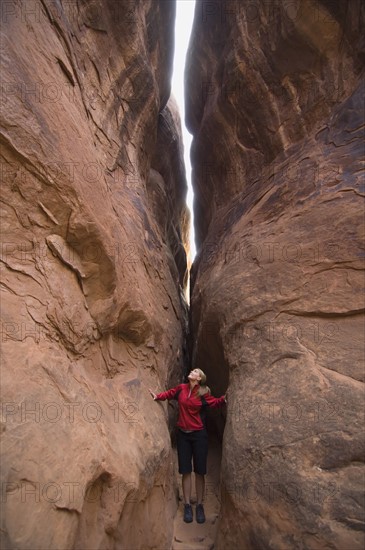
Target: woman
192, 438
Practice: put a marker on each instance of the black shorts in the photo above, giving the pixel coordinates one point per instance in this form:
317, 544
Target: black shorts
193, 445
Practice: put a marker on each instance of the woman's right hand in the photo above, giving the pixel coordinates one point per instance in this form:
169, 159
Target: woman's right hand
152, 393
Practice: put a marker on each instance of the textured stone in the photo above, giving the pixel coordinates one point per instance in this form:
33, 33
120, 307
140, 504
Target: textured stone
275, 103
93, 309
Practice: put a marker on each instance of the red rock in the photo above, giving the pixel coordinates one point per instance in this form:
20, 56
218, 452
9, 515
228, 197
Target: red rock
275, 103
92, 305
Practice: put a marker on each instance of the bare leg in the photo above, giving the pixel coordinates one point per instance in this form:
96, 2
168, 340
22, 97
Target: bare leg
199, 486
186, 487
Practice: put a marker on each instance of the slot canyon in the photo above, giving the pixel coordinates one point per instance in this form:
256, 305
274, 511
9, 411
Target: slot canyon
100, 301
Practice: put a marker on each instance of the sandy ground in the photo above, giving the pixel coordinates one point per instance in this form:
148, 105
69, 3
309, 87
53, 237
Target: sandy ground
195, 536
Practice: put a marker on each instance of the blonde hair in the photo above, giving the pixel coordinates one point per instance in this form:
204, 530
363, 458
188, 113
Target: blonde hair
203, 388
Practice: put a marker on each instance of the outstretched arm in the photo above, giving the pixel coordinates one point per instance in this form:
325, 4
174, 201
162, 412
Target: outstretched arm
215, 402
169, 394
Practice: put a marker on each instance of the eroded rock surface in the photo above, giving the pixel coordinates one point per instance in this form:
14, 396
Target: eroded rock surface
275, 104
93, 311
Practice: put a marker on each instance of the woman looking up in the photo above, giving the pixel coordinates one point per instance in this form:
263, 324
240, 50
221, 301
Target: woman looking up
192, 438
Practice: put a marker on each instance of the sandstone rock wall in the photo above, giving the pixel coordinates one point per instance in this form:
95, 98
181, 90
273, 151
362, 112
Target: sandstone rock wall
274, 92
93, 310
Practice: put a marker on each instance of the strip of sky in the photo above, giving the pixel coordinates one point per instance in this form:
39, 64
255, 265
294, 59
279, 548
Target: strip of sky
183, 25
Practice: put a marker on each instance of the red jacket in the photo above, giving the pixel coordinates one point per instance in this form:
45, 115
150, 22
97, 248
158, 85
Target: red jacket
190, 405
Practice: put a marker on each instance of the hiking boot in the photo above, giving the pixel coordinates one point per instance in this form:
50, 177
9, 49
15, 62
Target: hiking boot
200, 516
188, 513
